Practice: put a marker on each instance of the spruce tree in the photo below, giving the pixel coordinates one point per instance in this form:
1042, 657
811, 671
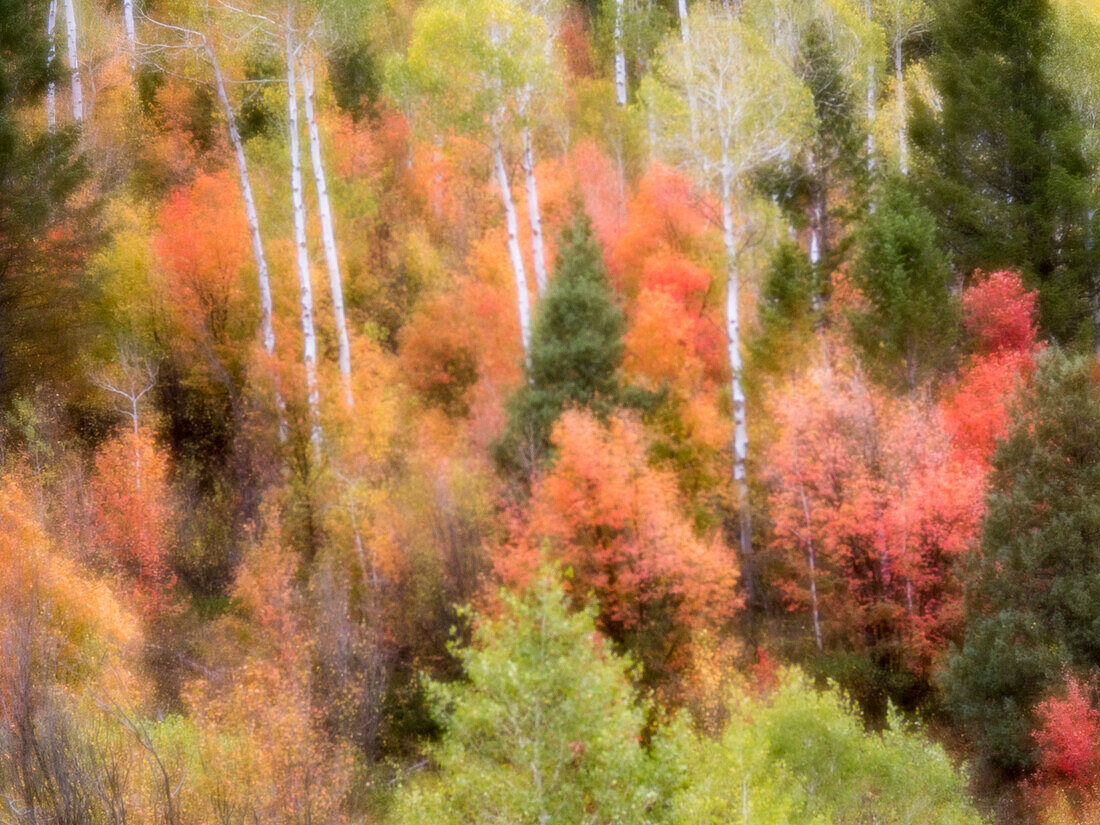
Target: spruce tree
905, 277
576, 350
1001, 161
1033, 592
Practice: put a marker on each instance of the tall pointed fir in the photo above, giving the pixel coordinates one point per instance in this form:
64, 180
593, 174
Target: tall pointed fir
1002, 164
576, 350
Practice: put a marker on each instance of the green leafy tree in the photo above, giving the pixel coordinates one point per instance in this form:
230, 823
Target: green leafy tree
905, 277
576, 350
1033, 593
544, 729
800, 756
1003, 166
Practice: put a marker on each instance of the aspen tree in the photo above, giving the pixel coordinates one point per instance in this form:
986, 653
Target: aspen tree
749, 110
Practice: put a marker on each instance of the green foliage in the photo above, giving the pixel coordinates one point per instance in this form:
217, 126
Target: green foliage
786, 308
1033, 593
44, 233
800, 756
910, 316
849, 776
1004, 171
356, 78
544, 729
576, 350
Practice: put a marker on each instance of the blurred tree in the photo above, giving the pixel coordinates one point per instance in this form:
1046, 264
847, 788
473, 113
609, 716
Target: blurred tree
1004, 169
1032, 593
576, 352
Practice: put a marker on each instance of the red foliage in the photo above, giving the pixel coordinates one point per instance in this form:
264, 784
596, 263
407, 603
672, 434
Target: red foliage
1000, 313
869, 515
134, 517
606, 515
1068, 738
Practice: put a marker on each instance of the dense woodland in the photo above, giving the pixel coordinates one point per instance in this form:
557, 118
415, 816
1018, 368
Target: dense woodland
549, 411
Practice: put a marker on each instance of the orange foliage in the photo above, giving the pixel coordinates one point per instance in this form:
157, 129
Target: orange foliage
606, 515
134, 519
203, 246
257, 713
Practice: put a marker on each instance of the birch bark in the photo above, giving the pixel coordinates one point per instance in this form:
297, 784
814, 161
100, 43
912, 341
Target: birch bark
523, 301
51, 87
74, 63
620, 56
263, 277
305, 287
328, 235
538, 250
128, 20
737, 391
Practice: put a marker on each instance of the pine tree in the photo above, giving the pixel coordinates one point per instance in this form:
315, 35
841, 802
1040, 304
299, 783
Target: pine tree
905, 278
1033, 593
576, 350
1003, 167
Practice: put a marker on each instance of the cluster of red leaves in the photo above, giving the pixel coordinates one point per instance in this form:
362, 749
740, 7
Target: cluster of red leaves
874, 498
134, 519
604, 514
1068, 738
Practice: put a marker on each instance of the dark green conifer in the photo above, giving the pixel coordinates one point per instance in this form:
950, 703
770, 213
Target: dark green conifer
1033, 592
1000, 157
576, 350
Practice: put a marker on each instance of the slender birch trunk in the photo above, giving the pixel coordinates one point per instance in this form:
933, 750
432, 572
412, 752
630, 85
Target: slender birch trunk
74, 63
514, 253
871, 116
685, 27
903, 105
811, 561
51, 87
305, 288
538, 250
262, 276
328, 235
737, 392
128, 20
620, 56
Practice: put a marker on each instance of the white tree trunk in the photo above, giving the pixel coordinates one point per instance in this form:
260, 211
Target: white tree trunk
620, 56
871, 116
685, 28
903, 126
328, 235
538, 250
737, 392
523, 301
305, 288
74, 63
51, 87
128, 19
264, 279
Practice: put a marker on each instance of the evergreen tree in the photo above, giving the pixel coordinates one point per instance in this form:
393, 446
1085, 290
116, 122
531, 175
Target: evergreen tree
576, 350
1033, 593
1003, 167
44, 235
903, 274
